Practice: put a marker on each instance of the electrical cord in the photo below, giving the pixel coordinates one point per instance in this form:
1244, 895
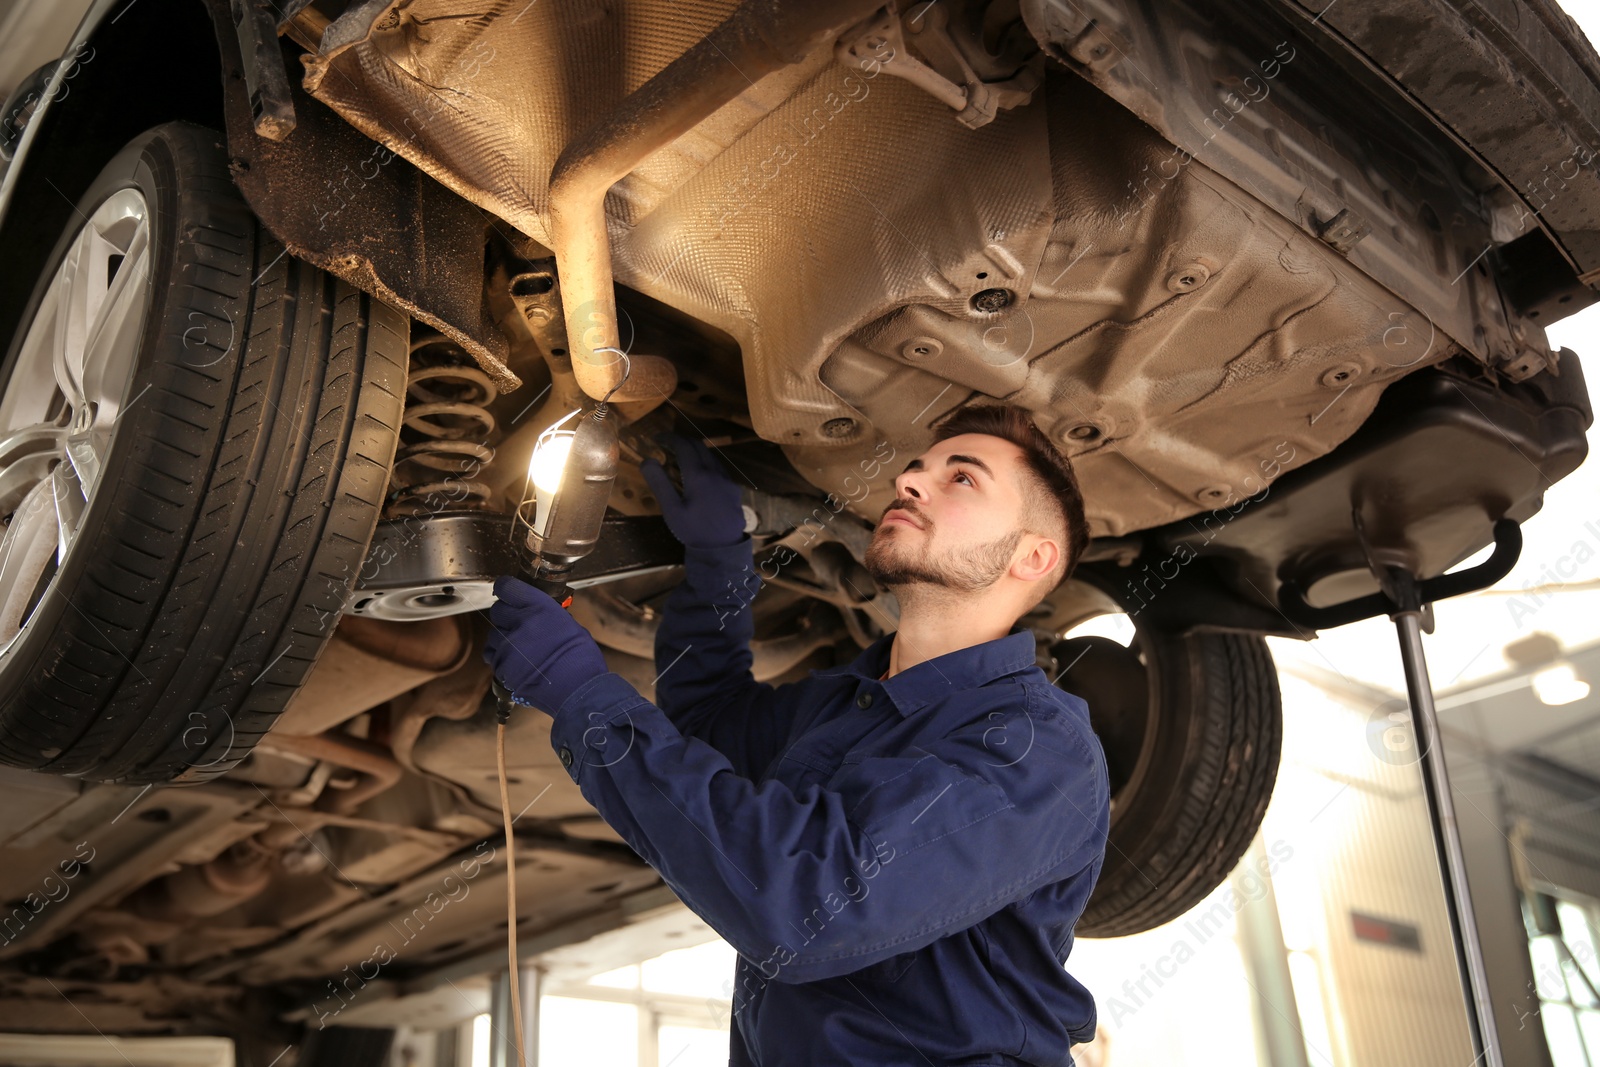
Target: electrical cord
511, 892
505, 703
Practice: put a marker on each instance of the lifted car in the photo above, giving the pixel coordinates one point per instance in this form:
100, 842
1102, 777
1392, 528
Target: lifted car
288, 293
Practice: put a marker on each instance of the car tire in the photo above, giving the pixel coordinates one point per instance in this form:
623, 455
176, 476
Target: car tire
1192, 729
222, 510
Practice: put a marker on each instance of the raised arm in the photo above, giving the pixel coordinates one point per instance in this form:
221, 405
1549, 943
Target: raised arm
802, 878
703, 660
819, 882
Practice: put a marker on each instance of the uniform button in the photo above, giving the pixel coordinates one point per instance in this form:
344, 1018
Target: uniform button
566, 756
864, 700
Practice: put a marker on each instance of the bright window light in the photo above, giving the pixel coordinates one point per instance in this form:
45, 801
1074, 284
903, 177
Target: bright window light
1306, 978
621, 978
683, 1046
699, 971
587, 1033
480, 1040
1575, 930
1561, 1034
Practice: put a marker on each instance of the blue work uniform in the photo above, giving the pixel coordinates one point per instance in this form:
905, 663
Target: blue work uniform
898, 863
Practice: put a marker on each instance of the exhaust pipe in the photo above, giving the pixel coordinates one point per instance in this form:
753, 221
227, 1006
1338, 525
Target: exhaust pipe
761, 37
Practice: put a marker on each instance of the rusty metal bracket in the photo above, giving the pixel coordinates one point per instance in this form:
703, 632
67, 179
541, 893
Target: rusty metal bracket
1344, 231
1527, 362
881, 40
271, 106
357, 210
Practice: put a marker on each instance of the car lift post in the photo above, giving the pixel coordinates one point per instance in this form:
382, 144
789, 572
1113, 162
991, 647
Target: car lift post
1409, 602
502, 1035
1408, 622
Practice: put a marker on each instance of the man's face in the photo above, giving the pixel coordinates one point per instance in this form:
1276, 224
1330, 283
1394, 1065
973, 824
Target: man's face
956, 518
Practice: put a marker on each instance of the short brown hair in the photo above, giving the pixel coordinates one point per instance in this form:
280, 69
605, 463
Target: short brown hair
1052, 472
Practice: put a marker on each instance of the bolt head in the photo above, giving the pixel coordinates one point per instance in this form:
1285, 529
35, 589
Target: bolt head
1188, 278
992, 301
1337, 377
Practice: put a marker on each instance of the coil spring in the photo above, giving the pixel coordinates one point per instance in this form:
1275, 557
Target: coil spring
444, 435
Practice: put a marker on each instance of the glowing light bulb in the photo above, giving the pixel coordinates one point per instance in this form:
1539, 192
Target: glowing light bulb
545, 469
550, 460
1559, 685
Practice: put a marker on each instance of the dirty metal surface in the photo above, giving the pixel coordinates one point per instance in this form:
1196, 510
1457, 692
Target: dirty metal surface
356, 210
1188, 331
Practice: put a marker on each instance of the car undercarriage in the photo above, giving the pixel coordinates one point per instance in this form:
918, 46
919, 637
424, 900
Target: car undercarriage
1275, 278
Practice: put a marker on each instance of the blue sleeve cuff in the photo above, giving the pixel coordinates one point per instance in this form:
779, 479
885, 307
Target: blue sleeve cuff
585, 728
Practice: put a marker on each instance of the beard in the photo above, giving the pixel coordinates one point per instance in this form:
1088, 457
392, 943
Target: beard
898, 560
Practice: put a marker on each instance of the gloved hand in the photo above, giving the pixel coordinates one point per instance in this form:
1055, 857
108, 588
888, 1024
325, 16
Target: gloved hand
709, 514
537, 649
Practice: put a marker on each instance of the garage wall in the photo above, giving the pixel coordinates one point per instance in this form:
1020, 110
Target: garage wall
1362, 898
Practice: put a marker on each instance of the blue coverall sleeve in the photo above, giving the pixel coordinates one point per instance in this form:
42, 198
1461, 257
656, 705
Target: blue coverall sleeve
703, 655
819, 882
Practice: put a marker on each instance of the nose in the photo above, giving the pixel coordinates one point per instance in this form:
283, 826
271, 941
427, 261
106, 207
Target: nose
908, 486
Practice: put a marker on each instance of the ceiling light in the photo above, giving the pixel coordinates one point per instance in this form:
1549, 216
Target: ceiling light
1559, 685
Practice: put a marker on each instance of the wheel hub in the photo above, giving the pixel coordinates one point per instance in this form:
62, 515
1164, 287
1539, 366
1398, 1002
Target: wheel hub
65, 397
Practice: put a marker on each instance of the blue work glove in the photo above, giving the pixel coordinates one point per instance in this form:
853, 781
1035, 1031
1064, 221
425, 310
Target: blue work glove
537, 649
710, 513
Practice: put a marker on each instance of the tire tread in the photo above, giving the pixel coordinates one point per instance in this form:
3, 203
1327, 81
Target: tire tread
251, 486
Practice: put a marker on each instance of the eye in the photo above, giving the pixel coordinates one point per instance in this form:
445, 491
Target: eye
968, 477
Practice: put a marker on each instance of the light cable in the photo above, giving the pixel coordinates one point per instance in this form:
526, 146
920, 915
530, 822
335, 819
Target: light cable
511, 893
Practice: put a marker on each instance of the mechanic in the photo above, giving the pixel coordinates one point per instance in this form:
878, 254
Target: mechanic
898, 848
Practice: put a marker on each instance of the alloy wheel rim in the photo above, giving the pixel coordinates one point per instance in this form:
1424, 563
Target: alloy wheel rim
65, 398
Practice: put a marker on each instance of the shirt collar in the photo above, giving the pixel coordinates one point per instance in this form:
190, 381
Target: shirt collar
933, 679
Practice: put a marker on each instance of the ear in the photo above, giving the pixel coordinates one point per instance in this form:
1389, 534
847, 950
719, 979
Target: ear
1039, 557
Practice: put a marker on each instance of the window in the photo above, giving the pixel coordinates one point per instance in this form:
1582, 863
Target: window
669, 1011
1566, 974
